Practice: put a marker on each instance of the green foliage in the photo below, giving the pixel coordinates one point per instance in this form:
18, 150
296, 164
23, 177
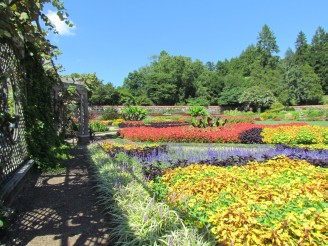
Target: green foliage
300, 78
318, 57
302, 49
313, 113
134, 113
198, 101
136, 216
105, 94
207, 121
257, 98
98, 126
266, 46
306, 136
6, 220
195, 111
40, 135
269, 115
160, 189
276, 107
293, 115
236, 112
21, 23
20, 26
167, 118
110, 113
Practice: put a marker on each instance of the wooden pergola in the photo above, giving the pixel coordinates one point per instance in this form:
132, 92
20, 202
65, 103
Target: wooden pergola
81, 112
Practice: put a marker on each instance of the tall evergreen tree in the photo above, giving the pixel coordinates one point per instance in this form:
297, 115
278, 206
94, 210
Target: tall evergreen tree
319, 56
266, 46
301, 49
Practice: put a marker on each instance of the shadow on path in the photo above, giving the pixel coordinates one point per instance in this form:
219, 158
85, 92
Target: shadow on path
60, 209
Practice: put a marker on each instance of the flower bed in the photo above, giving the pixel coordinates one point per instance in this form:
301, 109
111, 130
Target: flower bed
278, 202
156, 158
136, 218
294, 135
227, 134
141, 151
129, 123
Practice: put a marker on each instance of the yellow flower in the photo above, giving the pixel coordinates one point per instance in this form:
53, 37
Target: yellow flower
199, 224
300, 204
307, 212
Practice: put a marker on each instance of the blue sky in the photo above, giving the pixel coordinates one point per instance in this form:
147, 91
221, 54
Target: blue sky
115, 37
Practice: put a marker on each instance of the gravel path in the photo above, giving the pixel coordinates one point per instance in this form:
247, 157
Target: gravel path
60, 209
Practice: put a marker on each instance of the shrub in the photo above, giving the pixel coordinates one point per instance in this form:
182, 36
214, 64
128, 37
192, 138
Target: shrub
251, 136
276, 107
198, 111
134, 113
268, 115
236, 112
289, 116
98, 126
238, 119
314, 112
110, 114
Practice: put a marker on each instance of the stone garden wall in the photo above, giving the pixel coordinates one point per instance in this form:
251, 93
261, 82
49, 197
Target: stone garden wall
170, 109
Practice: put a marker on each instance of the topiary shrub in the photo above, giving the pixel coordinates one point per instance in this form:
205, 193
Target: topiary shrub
251, 136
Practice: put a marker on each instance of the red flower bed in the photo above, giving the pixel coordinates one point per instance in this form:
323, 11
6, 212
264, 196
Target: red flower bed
227, 134
185, 134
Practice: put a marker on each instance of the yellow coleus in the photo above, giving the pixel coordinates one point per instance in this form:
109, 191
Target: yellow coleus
279, 202
108, 146
295, 135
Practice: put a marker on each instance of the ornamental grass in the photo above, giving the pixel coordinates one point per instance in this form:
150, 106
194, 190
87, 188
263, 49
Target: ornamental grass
278, 202
136, 218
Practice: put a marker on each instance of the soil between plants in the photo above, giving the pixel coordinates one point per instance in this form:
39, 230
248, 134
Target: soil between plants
60, 209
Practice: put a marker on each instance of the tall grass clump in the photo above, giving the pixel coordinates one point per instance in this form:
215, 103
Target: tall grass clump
137, 218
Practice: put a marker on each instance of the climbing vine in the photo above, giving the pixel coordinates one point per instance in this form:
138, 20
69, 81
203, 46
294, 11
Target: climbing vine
20, 27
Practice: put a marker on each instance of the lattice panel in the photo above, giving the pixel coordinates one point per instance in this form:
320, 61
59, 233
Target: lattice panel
13, 147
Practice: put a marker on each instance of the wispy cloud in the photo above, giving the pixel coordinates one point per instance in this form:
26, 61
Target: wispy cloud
60, 25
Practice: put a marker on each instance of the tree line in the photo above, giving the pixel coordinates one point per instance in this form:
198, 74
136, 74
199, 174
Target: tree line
255, 79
